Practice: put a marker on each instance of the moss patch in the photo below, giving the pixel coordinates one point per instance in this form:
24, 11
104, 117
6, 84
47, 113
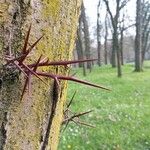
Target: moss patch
51, 8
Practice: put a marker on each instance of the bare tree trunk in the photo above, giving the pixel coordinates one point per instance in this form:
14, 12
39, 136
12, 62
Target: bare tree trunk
145, 28
122, 28
114, 20
113, 57
116, 45
86, 36
23, 123
80, 49
106, 40
145, 42
121, 47
138, 66
79, 42
98, 35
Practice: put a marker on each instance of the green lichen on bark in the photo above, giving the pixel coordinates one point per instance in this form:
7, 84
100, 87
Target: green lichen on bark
27, 119
51, 8
10, 83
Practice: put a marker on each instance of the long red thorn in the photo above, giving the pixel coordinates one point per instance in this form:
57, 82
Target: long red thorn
32, 72
47, 75
30, 48
26, 41
35, 43
70, 62
61, 63
24, 88
44, 60
71, 99
11, 60
70, 79
81, 81
20, 69
37, 63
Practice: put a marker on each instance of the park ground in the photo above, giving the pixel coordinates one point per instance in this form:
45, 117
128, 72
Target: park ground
121, 117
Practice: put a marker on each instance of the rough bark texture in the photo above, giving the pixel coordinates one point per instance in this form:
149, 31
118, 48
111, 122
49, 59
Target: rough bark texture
121, 46
138, 66
145, 29
80, 48
79, 43
23, 123
86, 36
98, 35
106, 40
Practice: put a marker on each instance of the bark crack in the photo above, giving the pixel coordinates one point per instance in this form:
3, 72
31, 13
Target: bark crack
4, 131
51, 115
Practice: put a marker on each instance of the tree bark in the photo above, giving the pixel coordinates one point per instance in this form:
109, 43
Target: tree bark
145, 29
86, 36
138, 66
80, 51
115, 44
23, 123
121, 46
98, 35
106, 40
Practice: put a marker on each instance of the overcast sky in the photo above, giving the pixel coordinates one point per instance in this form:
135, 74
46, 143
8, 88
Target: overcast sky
91, 10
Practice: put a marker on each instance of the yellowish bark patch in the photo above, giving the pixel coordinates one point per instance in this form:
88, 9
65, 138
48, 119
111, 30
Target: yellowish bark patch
51, 8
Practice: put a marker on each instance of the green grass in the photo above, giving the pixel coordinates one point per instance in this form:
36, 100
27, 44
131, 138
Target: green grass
121, 117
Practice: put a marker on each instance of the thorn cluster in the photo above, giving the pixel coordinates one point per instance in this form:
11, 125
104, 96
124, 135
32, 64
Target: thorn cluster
69, 116
30, 70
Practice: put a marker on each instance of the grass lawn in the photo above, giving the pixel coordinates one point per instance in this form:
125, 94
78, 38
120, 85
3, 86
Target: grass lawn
121, 117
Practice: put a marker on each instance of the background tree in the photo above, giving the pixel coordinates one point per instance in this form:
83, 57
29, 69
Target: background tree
145, 28
106, 40
138, 65
98, 33
114, 21
79, 43
80, 47
122, 29
86, 36
23, 123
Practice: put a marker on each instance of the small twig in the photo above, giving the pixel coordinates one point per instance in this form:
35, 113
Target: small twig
85, 124
71, 99
77, 116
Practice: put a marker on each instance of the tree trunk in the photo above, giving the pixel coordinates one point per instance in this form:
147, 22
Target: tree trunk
98, 35
138, 66
79, 43
145, 43
119, 70
86, 36
121, 47
145, 29
23, 123
79, 50
79, 47
115, 22
106, 40
113, 55
116, 45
